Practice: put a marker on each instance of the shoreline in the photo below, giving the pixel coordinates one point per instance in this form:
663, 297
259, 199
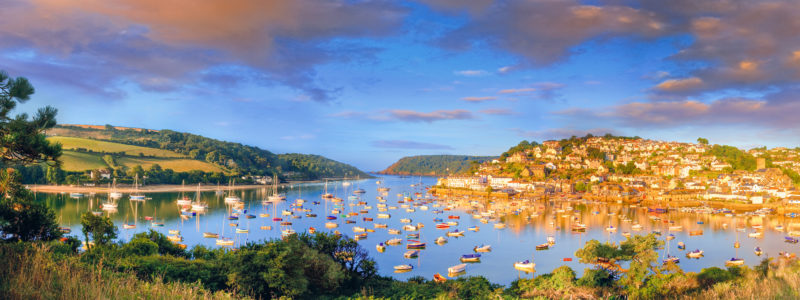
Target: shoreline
156, 188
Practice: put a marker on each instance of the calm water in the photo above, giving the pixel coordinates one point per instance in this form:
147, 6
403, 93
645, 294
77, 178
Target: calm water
514, 243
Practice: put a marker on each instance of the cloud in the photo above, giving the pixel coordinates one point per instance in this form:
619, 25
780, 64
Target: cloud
560, 133
543, 32
164, 45
404, 115
471, 73
497, 111
402, 144
503, 70
298, 137
479, 99
516, 91
775, 111
680, 85
438, 115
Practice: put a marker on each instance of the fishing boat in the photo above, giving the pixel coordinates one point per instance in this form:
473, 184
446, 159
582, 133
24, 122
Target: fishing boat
670, 237
789, 239
473, 257
379, 225
442, 226
482, 248
755, 234
380, 247
241, 230
611, 228
455, 233
551, 240
360, 236
175, 238
384, 216
695, 232
525, 265
544, 246
439, 278
415, 245
734, 261
681, 245
128, 226
394, 241
412, 236
266, 227
636, 227
402, 268
224, 242
394, 231
758, 251
499, 225
358, 229
174, 231
210, 235
697, 253
676, 228
671, 259
474, 228
440, 240
457, 269
75, 195
287, 232
410, 228
406, 220
411, 254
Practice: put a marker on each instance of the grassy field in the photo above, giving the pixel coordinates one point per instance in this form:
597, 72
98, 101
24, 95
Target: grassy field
103, 146
80, 161
176, 164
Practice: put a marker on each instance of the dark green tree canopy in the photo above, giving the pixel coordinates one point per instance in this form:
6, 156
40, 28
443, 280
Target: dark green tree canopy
22, 139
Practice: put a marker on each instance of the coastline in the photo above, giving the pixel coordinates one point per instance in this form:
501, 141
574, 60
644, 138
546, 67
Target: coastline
156, 188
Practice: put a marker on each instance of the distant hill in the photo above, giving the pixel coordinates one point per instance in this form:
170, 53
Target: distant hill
86, 145
433, 165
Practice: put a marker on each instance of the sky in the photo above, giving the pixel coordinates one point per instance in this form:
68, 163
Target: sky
368, 82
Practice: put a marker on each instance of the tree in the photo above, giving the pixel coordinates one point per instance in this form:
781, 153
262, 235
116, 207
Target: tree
101, 229
22, 142
702, 141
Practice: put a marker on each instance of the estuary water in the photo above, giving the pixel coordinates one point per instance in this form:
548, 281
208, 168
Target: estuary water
527, 224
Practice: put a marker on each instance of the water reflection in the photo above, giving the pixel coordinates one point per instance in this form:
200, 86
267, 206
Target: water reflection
504, 233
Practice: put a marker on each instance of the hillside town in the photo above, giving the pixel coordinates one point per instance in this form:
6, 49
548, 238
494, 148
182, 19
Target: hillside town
633, 169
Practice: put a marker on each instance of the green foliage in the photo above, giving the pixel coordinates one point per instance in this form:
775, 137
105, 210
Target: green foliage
164, 245
710, 276
234, 157
23, 140
521, 147
434, 164
702, 141
594, 153
627, 169
101, 230
597, 278
739, 159
141, 247
21, 218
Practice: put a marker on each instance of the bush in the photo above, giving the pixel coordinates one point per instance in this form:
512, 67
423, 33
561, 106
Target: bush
710, 276
140, 247
596, 278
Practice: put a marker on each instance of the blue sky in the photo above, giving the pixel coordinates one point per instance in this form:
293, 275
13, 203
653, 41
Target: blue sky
368, 82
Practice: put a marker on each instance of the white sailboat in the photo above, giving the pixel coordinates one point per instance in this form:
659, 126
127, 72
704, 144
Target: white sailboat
275, 197
136, 196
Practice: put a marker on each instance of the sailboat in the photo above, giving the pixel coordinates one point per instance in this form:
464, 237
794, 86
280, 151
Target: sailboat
275, 197
114, 194
325, 194
232, 198
198, 205
136, 196
183, 200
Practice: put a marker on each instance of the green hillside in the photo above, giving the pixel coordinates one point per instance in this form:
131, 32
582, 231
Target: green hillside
183, 152
72, 143
434, 164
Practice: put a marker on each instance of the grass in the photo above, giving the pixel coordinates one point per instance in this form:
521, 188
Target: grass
176, 164
31, 272
81, 161
78, 161
103, 146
